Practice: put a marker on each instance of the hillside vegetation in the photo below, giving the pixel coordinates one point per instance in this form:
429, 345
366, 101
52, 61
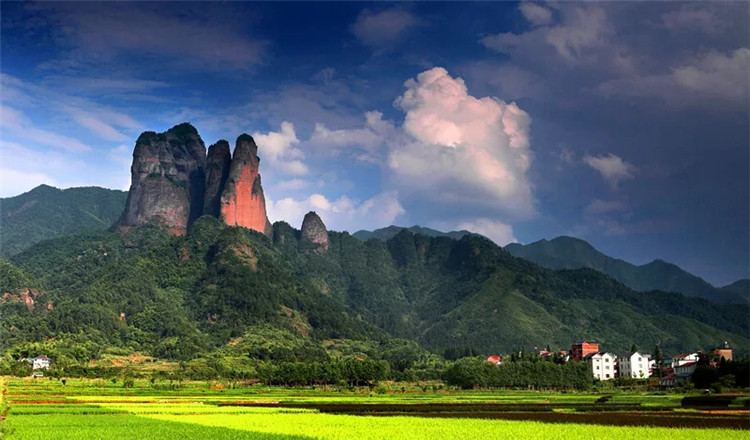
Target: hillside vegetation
46, 212
235, 292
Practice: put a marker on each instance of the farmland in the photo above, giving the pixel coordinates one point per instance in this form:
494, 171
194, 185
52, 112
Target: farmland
95, 409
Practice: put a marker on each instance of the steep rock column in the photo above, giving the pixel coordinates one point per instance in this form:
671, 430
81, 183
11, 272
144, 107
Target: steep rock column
167, 179
314, 232
217, 172
242, 202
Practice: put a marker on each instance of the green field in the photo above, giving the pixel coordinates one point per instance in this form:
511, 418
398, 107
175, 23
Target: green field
99, 409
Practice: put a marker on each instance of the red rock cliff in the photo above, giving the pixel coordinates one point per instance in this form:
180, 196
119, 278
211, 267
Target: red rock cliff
242, 201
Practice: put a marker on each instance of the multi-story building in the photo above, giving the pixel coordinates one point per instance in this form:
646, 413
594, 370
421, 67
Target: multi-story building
634, 364
581, 349
602, 365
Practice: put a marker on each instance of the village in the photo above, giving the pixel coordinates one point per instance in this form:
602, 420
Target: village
671, 371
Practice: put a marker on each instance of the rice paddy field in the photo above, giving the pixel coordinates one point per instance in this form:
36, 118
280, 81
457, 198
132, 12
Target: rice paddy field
102, 409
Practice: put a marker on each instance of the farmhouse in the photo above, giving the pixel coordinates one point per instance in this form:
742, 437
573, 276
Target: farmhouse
602, 364
634, 364
581, 349
40, 362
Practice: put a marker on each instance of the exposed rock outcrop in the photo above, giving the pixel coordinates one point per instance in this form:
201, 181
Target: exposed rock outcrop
314, 232
242, 201
167, 179
217, 172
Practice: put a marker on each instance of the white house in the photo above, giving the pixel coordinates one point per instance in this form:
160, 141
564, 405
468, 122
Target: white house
40, 362
684, 358
602, 364
635, 364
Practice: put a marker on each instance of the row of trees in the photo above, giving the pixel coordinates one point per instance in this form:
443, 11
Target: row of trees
477, 372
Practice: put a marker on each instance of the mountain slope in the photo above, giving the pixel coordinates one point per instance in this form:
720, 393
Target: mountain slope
181, 296
46, 212
739, 287
572, 253
389, 231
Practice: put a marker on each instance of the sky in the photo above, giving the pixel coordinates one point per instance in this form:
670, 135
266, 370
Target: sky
622, 124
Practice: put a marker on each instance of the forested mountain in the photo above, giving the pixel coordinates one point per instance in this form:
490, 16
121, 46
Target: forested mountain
140, 288
573, 253
388, 232
740, 287
46, 212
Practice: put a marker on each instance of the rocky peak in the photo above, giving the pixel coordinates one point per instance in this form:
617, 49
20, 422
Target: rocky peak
167, 179
314, 232
242, 201
217, 172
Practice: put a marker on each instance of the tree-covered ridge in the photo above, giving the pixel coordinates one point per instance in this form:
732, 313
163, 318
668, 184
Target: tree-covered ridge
231, 291
573, 253
46, 212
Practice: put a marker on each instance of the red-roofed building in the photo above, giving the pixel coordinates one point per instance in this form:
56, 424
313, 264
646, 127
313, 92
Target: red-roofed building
495, 359
581, 349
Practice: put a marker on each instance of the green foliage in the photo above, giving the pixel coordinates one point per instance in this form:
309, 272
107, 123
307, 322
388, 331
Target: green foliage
45, 213
476, 372
220, 294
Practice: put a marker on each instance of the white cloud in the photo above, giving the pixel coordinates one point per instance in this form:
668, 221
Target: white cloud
340, 214
612, 168
496, 231
381, 29
580, 29
366, 141
98, 127
456, 150
535, 14
691, 18
278, 148
712, 77
17, 123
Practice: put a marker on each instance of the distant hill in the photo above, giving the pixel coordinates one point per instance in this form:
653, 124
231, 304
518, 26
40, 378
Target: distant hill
573, 253
46, 212
740, 287
390, 231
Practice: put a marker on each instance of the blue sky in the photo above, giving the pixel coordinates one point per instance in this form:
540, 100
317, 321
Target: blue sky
622, 124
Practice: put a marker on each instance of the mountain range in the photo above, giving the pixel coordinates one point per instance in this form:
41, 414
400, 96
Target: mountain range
192, 266
573, 253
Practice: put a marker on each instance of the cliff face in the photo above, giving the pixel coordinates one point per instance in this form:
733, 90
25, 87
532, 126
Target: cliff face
242, 201
217, 173
167, 179
314, 232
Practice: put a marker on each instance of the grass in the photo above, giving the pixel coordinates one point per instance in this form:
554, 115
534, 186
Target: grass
100, 409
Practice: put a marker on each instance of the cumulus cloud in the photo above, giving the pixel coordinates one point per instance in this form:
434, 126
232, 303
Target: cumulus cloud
496, 231
459, 150
535, 14
339, 214
382, 29
279, 148
612, 168
712, 77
